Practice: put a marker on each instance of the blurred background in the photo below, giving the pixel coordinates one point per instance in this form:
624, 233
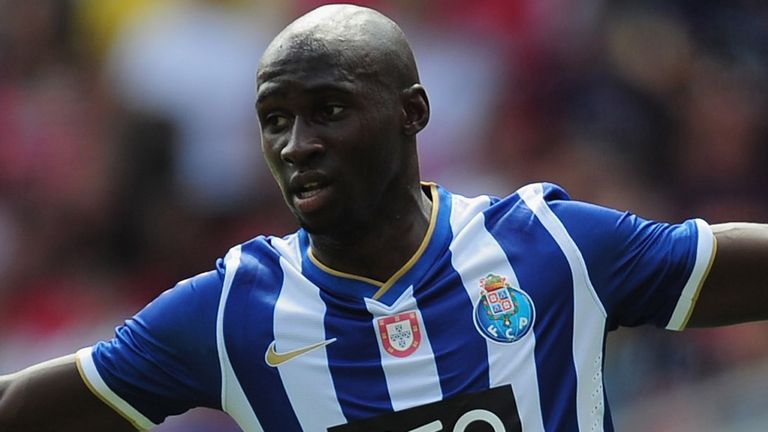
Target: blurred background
129, 156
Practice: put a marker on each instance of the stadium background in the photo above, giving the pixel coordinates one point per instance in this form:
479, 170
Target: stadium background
129, 156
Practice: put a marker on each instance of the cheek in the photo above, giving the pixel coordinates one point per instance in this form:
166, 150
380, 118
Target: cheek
268, 148
271, 155
368, 147
271, 164
271, 147
384, 155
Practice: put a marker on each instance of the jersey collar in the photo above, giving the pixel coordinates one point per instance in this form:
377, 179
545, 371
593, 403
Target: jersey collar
433, 245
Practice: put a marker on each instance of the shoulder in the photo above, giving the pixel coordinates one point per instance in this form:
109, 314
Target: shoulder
534, 193
262, 253
527, 201
493, 209
260, 263
529, 195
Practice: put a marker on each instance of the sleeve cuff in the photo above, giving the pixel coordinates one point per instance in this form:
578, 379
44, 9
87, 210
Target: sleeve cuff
705, 254
96, 384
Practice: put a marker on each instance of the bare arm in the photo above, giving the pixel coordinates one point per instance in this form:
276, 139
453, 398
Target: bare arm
736, 289
52, 396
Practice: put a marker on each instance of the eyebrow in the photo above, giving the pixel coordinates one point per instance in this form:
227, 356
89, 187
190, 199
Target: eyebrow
333, 87
270, 91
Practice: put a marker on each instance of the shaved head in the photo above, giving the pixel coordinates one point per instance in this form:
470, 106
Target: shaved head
363, 42
340, 104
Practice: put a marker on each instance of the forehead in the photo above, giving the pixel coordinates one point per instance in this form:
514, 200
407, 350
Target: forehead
294, 64
292, 80
305, 62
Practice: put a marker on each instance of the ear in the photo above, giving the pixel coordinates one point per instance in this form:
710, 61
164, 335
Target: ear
415, 109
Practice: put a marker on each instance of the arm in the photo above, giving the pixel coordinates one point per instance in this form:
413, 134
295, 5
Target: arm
51, 396
736, 289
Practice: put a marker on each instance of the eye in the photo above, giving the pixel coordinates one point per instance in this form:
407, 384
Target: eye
330, 112
276, 122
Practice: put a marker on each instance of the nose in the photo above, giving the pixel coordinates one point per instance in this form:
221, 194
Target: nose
304, 146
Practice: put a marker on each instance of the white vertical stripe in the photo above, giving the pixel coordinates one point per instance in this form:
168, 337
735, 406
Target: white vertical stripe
96, 383
705, 248
588, 316
475, 254
233, 399
298, 323
289, 249
413, 380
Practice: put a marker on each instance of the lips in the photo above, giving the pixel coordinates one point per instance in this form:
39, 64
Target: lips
310, 191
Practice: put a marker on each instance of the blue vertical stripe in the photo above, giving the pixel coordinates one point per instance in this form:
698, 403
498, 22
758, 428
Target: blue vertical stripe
545, 276
461, 355
444, 305
248, 331
354, 359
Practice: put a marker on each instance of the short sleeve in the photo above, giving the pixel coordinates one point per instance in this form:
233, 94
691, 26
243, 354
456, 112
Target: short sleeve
643, 272
164, 360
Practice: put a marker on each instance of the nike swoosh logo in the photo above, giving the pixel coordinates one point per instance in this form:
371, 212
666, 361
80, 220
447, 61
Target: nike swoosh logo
275, 359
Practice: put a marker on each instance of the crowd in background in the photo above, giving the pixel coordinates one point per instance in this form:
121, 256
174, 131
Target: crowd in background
130, 157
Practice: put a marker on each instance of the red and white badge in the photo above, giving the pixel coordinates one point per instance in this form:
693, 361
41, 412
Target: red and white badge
400, 334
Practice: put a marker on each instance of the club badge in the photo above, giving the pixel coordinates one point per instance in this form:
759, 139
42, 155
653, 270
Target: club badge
400, 334
503, 314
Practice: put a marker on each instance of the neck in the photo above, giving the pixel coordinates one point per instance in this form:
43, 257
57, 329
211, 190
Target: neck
380, 249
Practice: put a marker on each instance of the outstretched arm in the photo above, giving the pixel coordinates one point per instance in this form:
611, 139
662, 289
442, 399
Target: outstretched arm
51, 396
736, 289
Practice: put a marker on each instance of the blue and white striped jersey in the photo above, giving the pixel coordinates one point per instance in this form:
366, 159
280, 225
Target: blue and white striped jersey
498, 321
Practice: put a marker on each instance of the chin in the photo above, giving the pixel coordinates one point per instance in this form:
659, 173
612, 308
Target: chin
312, 229
334, 222
316, 226
339, 231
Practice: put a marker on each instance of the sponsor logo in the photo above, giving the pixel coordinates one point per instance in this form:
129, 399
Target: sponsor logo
490, 410
400, 334
503, 314
275, 359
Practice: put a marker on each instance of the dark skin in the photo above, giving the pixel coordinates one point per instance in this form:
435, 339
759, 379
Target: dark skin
345, 126
51, 397
340, 105
736, 288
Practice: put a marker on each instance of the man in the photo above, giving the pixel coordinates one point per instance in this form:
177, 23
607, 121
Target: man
398, 306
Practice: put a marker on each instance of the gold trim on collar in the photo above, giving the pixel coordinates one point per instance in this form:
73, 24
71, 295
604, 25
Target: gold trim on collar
422, 247
333, 272
385, 286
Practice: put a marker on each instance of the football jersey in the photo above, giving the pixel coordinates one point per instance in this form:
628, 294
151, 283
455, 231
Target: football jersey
497, 322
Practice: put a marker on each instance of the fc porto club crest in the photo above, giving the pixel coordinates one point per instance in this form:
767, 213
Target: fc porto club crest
503, 314
400, 334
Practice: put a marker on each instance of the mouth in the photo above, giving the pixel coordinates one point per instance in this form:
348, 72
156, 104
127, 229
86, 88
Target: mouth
310, 192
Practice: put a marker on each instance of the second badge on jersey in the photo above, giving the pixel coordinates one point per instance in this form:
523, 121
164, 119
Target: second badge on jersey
504, 314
